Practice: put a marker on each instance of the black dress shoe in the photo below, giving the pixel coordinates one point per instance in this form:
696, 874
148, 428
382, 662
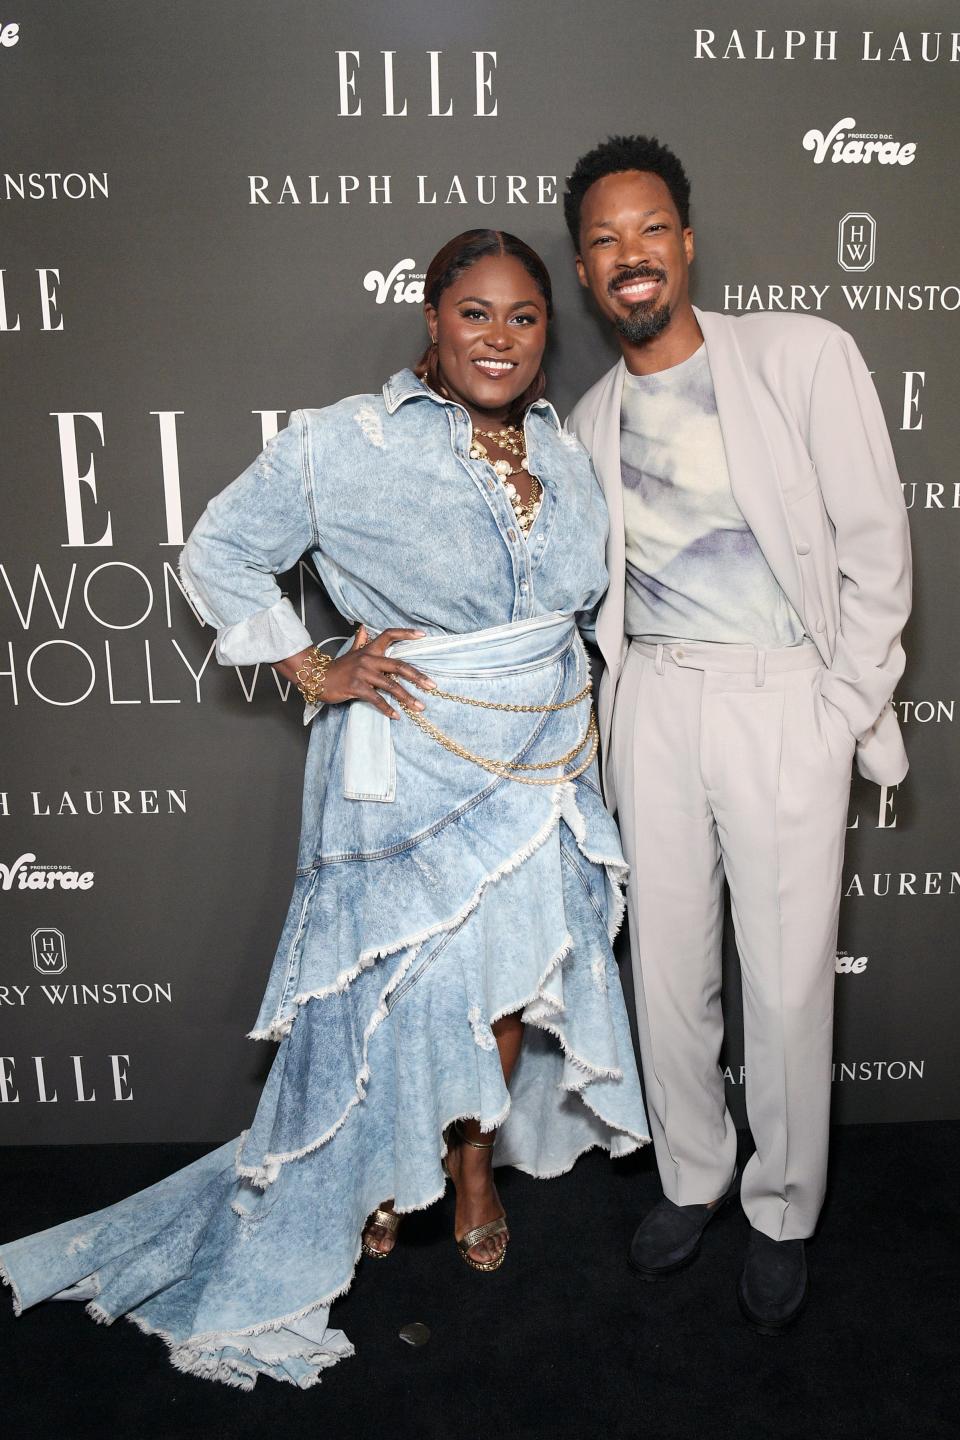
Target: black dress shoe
668, 1239
773, 1286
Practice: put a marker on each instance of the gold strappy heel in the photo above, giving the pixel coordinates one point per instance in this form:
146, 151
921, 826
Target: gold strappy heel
482, 1232
387, 1220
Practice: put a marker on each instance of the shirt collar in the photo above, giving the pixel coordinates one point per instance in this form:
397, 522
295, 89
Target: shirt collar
406, 386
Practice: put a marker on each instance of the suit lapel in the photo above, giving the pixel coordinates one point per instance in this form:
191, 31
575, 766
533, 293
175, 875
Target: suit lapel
606, 460
754, 478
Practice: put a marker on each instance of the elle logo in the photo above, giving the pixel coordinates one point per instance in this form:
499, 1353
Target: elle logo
845, 148
441, 104
405, 284
9, 35
46, 1089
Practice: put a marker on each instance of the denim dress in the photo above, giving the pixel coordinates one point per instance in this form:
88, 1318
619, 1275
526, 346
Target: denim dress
432, 895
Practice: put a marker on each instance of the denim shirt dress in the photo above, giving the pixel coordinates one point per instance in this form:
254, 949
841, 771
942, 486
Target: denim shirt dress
431, 897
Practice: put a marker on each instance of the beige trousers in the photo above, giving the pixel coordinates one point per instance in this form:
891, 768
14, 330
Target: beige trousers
727, 762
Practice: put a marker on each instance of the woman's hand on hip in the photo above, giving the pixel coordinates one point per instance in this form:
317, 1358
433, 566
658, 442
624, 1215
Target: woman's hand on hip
366, 673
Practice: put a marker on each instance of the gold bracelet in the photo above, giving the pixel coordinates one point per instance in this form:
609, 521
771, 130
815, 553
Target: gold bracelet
310, 678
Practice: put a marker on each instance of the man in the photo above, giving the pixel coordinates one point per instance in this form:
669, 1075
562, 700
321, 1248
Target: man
759, 581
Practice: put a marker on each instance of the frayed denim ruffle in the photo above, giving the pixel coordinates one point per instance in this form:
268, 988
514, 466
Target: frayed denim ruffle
404, 944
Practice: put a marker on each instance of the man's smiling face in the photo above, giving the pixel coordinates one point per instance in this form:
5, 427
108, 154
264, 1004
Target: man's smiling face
634, 253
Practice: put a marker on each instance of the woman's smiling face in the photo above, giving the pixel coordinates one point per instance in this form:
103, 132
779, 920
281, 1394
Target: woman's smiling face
490, 328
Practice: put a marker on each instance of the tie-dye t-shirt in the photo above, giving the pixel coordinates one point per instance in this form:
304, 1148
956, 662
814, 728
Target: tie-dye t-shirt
694, 568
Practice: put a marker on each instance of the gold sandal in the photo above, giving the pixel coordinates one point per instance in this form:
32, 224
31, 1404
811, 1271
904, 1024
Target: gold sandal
387, 1220
481, 1232
484, 1232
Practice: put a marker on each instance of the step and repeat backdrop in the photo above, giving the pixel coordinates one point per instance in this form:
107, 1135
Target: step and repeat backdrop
214, 213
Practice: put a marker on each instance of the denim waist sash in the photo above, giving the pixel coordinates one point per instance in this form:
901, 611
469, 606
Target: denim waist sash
369, 759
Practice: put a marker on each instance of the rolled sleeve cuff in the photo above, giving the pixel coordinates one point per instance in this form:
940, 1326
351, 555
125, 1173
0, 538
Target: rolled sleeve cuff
270, 635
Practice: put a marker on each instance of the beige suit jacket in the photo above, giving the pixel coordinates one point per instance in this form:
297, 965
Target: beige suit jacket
812, 470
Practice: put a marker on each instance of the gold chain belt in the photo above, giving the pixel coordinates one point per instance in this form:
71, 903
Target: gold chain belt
514, 709
503, 768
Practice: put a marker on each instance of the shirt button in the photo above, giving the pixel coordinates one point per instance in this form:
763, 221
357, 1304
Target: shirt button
803, 548
511, 535
677, 654
489, 483
821, 625
523, 587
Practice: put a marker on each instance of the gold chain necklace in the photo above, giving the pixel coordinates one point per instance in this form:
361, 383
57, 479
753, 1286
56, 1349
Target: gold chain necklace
512, 439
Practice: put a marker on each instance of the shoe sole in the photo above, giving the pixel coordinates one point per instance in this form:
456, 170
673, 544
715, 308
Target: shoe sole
663, 1272
770, 1327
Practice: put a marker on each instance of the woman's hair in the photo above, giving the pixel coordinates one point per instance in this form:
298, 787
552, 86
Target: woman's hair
450, 263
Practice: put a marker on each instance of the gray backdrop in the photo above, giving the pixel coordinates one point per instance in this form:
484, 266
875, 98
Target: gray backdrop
159, 316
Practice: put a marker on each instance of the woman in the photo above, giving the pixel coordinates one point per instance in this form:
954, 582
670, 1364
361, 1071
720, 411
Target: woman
444, 976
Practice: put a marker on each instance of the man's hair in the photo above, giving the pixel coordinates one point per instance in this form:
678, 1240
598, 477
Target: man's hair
619, 153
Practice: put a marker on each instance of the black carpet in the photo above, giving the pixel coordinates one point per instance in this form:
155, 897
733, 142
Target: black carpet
564, 1341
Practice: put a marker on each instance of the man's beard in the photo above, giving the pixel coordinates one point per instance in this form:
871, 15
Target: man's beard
642, 323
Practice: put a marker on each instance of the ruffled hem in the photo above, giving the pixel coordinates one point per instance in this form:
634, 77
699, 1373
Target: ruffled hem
7, 1279
295, 1349
295, 956
532, 876
406, 1027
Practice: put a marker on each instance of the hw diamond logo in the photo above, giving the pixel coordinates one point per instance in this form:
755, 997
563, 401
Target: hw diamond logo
49, 951
857, 241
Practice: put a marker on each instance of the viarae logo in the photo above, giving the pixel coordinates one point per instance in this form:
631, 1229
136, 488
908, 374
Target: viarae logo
9, 34
31, 876
405, 283
846, 146
851, 964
